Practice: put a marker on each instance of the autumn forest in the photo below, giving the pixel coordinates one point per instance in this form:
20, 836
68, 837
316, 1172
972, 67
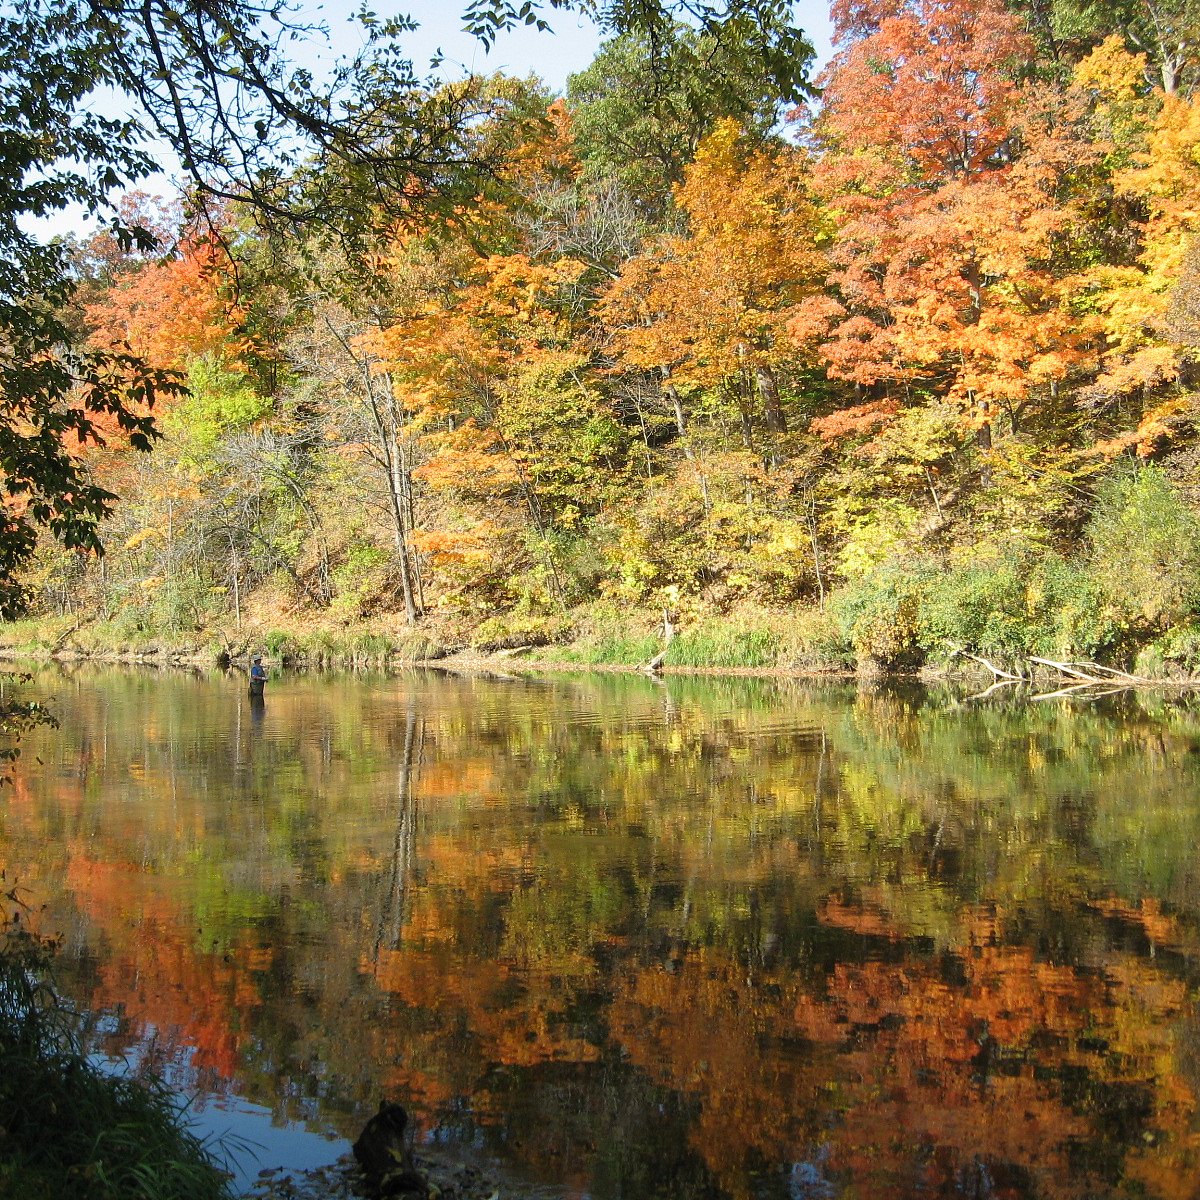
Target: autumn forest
845, 371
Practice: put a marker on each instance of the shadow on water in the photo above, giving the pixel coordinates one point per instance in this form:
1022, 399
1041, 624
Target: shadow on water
634, 937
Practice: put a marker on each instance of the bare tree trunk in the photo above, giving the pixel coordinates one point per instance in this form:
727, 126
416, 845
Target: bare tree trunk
810, 511
325, 589
396, 487
171, 560
535, 515
411, 524
768, 389
680, 422
983, 439
237, 588
745, 423
645, 433
686, 442
387, 423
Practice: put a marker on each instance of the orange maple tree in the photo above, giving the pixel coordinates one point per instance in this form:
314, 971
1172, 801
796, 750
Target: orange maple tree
947, 175
174, 310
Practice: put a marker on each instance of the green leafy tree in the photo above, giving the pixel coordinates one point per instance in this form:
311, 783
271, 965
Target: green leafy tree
649, 97
1167, 31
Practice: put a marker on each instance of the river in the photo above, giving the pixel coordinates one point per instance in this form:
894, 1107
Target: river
631, 938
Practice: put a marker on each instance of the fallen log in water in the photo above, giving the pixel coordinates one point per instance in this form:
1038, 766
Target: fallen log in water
1077, 676
1000, 674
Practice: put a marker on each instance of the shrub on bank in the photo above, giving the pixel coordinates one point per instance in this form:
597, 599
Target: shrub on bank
1013, 606
1177, 652
1145, 550
983, 605
810, 640
1005, 607
878, 616
1133, 586
516, 629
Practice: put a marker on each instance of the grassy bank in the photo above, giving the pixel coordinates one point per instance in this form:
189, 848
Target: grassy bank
1127, 595
599, 635
304, 643
899, 620
66, 1128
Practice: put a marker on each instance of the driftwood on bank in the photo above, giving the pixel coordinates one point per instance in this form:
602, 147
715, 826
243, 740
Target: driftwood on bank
232, 653
655, 665
1086, 671
1000, 674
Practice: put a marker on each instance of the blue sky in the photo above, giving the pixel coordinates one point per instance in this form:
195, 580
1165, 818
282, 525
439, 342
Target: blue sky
552, 56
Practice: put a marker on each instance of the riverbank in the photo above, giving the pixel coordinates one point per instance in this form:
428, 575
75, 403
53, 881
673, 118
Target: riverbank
750, 641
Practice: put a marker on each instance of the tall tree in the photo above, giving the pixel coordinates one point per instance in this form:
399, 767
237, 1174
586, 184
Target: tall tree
950, 178
173, 310
709, 308
648, 98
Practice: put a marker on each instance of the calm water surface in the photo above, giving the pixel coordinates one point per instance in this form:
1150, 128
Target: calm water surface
689, 939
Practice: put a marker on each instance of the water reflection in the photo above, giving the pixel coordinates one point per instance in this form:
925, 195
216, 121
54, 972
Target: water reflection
698, 938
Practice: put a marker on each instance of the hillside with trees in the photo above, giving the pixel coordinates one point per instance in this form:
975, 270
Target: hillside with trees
849, 375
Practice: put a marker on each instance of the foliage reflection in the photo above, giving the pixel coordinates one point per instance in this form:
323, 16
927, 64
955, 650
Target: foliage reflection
730, 938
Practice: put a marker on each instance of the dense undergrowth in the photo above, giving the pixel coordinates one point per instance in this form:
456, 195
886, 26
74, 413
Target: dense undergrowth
823, 397
1128, 595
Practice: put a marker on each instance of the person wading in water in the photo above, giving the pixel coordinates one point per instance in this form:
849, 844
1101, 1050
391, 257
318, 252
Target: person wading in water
258, 677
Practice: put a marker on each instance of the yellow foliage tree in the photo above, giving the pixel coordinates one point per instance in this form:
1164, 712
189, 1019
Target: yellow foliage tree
1154, 139
709, 308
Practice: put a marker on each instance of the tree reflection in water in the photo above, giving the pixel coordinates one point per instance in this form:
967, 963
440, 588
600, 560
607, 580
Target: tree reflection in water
707, 938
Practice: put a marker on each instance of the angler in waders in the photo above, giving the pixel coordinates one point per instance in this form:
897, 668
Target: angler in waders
258, 677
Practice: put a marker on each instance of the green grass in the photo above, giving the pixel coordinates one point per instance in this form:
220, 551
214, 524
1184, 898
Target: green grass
612, 649
71, 1131
724, 647
350, 648
750, 638
66, 1128
31, 636
802, 639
